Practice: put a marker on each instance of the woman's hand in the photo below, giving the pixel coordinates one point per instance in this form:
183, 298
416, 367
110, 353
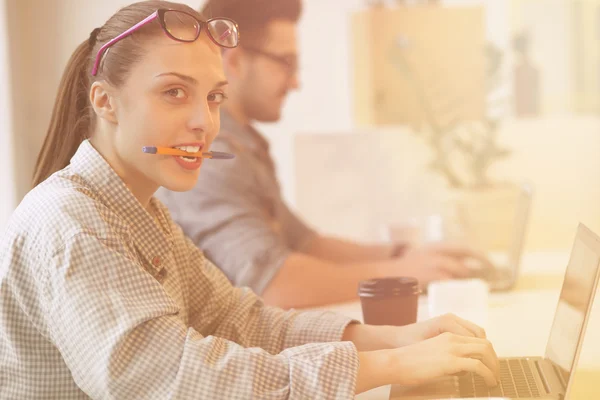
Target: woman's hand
443, 355
371, 337
413, 333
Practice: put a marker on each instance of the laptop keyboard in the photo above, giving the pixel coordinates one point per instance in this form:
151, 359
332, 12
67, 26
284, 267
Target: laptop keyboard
516, 381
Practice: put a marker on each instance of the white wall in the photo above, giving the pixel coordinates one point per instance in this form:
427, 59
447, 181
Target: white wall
7, 198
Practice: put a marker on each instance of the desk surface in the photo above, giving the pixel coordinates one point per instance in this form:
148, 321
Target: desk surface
519, 322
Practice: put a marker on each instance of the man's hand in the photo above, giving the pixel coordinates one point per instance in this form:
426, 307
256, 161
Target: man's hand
441, 261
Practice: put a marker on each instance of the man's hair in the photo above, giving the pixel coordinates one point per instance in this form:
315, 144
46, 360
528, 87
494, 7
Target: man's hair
253, 16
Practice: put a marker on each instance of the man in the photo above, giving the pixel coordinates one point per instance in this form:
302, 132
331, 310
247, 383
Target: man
236, 213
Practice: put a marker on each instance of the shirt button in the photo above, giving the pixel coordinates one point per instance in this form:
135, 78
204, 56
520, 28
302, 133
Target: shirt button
156, 261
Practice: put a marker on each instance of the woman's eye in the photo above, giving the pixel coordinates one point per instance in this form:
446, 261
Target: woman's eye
176, 93
217, 97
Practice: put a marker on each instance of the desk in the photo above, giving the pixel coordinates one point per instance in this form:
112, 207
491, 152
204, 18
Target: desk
519, 322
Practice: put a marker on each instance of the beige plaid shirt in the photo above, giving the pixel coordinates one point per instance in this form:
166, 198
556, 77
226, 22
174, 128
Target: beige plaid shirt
99, 299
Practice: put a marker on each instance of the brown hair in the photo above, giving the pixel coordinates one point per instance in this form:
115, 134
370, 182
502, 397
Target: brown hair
73, 117
252, 16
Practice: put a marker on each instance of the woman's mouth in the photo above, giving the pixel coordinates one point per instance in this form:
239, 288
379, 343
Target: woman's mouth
188, 149
189, 163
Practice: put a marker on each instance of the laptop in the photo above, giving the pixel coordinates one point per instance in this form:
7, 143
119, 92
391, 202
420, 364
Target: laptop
547, 377
503, 276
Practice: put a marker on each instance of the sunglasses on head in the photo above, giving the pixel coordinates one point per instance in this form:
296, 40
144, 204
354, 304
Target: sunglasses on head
182, 27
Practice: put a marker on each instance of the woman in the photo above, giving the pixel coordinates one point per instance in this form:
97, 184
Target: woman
102, 296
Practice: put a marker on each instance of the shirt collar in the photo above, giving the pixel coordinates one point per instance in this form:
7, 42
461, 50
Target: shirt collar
152, 242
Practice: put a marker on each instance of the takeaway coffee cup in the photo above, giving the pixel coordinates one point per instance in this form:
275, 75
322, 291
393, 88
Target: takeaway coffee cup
389, 301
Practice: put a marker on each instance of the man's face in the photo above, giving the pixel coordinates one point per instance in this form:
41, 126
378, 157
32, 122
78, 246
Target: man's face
269, 72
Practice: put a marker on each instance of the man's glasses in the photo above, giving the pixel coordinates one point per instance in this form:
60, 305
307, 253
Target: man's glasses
182, 27
289, 62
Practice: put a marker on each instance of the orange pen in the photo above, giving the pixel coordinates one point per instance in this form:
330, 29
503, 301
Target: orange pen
169, 151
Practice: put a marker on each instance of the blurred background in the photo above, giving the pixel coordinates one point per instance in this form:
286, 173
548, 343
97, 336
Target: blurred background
410, 114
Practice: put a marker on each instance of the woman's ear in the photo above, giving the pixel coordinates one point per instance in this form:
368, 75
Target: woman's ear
102, 102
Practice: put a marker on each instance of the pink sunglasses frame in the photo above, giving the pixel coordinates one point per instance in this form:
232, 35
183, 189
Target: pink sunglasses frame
160, 15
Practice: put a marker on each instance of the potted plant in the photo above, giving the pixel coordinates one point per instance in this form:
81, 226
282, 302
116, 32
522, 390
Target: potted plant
464, 151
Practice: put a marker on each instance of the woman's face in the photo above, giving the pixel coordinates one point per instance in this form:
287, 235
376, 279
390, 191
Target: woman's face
171, 98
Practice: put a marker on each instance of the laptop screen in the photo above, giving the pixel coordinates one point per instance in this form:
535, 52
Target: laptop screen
574, 303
